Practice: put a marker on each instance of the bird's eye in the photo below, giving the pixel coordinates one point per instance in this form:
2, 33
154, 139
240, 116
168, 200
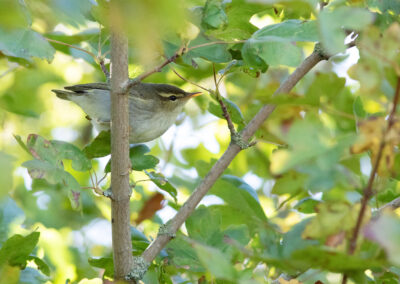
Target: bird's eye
172, 98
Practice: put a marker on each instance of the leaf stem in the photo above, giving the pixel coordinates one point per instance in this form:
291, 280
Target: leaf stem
73, 46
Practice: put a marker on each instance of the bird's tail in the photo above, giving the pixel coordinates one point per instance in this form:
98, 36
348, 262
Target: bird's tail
65, 95
79, 90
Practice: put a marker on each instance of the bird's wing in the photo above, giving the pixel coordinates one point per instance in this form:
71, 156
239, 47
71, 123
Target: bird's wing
84, 87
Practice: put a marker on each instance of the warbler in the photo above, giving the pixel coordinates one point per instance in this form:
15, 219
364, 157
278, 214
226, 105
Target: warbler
153, 108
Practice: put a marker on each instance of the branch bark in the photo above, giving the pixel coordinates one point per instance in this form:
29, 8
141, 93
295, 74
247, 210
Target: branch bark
219, 167
120, 163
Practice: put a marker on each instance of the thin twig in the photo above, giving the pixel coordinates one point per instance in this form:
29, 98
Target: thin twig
72, 46
393, 205
368, 191
191, 82
224, 109
181, 51
213, 43
104, 69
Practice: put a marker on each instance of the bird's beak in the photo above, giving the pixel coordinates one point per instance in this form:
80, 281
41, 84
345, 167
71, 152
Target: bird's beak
192, 95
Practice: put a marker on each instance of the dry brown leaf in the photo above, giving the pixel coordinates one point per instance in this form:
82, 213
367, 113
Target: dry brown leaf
150, 208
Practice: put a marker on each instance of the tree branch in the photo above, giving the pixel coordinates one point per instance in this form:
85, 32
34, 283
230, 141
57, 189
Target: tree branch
120, 163
393, 205
368, 191
219, 167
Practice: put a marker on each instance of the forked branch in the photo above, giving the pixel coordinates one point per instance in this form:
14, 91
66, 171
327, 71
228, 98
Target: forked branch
219, 167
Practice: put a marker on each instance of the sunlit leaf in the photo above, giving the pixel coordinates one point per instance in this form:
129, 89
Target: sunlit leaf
162, 183
105, 263
332, 25
274, 44
100, 146
16, 249
332, 218
239, 195
25, 43
216, 262
214, 15
233, 111
139, 160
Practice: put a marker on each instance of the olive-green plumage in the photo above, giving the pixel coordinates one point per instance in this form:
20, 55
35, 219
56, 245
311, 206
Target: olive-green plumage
153, 108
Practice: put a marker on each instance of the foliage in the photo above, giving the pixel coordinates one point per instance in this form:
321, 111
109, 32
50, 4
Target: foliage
285, 209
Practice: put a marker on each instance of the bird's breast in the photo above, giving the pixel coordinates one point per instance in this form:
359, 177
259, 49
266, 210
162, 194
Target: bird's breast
147, 125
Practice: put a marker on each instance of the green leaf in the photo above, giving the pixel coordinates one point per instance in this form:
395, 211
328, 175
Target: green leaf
358, 108
385, 230
332, 218
91, 38
233, 110
208, 49
307, 205
162, 183
214, 16
239, 195
289, 30
42, 266
333, 23
204, 225
139, 160
25, 43
273, 45
24, 99
385, 5
238, 14
291, 183
312, 150
105, 263
55, 151
73, 12
217, 53
231, 217
39, 169
71, 152
100, 146
182, 254
14, 14
331, 260
16, 250
215, 261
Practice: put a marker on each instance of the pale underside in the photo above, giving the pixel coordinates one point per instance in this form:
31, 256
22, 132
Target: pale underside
146, 125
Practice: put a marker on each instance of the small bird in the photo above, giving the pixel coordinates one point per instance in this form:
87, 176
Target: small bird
153, 108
